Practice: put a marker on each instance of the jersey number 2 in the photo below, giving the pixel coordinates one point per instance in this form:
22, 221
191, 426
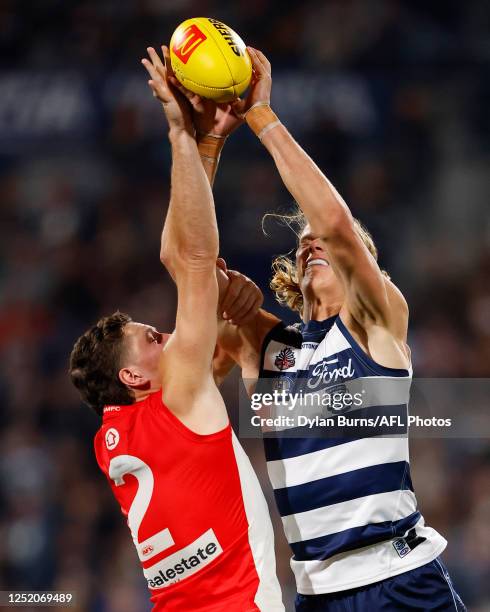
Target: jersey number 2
128, 464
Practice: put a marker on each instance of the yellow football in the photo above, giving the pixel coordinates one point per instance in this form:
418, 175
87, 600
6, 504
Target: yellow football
210, 59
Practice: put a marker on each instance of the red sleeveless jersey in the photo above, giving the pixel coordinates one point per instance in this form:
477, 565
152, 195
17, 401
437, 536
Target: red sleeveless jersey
195, 509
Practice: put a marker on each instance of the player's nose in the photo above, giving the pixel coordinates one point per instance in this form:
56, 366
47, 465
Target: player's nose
315, 246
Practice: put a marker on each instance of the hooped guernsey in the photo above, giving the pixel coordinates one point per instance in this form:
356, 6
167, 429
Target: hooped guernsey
346, 500
197, 514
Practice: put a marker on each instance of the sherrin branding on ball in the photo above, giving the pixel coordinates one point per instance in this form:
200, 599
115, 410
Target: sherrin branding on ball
210, 59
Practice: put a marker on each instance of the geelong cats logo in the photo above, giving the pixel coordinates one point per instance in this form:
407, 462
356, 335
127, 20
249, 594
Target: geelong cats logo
285, 359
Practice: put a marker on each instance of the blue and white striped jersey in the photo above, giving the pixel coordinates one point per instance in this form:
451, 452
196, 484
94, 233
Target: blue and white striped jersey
347, 502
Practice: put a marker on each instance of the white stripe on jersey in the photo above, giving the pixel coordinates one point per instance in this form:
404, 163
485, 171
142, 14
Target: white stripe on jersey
377, 508
351, 569
336, 460
260, 533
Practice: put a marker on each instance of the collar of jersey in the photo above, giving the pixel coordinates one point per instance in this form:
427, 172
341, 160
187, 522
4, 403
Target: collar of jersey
314, 327
122, 408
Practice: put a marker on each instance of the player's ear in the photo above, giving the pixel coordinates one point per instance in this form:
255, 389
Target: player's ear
131, 378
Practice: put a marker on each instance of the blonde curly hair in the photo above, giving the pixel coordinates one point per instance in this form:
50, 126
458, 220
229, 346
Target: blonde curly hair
285, 282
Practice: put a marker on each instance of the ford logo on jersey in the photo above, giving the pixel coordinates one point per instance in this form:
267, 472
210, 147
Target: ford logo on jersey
326, 374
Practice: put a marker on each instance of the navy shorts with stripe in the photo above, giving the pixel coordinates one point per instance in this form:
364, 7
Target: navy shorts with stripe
427, 588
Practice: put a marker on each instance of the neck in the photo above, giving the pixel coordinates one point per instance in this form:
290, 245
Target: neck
142, 394
320, 308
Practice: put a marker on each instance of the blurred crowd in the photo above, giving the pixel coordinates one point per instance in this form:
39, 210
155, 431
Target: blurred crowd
390, 97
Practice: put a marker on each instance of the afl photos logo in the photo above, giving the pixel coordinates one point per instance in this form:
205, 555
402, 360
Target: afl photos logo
111, 438
188, 42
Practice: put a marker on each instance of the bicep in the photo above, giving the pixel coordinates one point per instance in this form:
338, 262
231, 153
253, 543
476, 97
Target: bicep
223, 364
187, 358
363, 282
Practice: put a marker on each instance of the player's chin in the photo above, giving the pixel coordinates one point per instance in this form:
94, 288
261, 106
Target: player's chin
316, 277
314, 272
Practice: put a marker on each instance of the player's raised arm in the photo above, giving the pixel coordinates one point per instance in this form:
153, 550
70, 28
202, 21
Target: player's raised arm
369, 297
213, 123
242, 324
189, 247
240, 315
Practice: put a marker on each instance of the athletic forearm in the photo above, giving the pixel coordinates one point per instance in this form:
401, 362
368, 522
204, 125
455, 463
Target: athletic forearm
323, 207
317, 197
190, 231
209, 147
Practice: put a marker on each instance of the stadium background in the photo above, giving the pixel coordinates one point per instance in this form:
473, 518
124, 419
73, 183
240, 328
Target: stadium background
391, 99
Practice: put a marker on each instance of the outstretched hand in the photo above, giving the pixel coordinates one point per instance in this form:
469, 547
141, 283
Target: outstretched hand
175, 105
208, 117
261, 85
189, 111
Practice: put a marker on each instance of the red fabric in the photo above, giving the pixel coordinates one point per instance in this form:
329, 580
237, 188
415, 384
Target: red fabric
196, 488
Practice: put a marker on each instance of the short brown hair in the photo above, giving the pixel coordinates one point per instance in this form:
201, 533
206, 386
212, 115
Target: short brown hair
95, 362
285, 282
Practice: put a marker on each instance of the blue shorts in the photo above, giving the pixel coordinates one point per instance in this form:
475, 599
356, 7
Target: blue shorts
428, 587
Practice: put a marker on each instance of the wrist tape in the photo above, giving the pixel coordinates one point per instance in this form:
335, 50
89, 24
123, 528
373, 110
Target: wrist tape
210, 145
261, 119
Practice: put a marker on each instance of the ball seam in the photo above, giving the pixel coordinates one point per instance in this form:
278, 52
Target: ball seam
216, 88
215, 40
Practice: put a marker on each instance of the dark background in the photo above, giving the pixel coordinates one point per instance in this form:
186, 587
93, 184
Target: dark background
390, 98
